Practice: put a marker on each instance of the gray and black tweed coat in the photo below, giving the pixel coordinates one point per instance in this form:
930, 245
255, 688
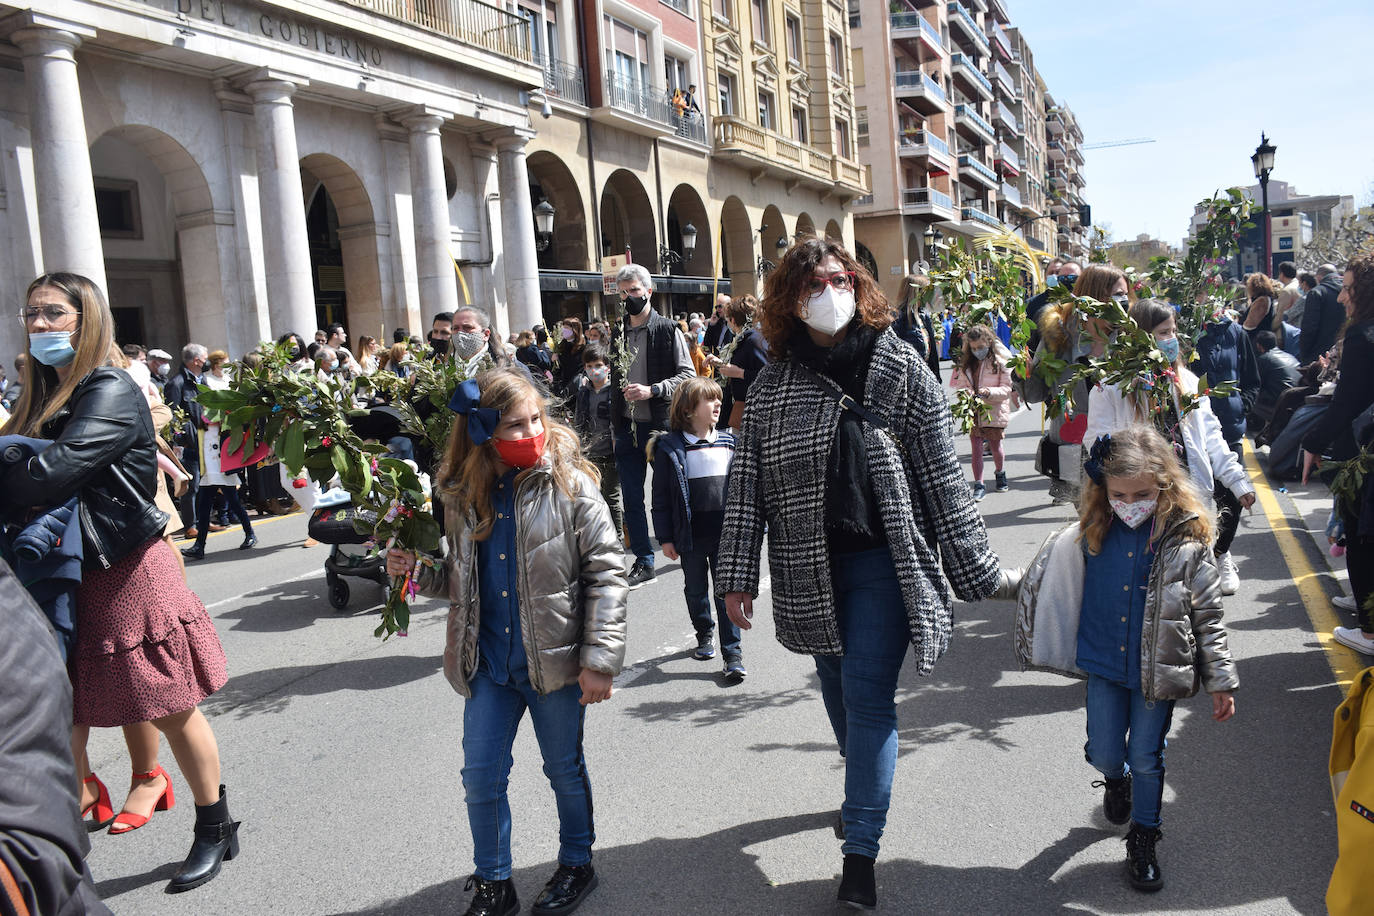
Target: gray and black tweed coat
778, 482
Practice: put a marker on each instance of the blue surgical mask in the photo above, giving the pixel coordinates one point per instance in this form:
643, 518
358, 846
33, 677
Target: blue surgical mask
1169, 347
52, 348
1052, 281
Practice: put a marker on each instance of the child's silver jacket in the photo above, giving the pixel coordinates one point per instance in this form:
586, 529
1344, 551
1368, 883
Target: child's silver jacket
571, 585
1183, 645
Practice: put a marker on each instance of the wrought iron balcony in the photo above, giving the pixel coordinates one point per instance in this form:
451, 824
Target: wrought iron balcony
924, 200
562, 80
471, 22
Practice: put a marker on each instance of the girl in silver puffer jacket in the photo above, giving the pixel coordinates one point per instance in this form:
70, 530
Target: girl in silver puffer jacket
535, 577
1128, 598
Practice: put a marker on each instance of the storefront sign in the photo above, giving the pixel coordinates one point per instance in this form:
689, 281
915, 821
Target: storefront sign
280, 28
1286, 243
610, 266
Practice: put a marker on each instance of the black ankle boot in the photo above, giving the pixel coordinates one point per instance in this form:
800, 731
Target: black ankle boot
566, 890
194, 552
858, 891
1116, 798
492, 898
1141, 865
216, 840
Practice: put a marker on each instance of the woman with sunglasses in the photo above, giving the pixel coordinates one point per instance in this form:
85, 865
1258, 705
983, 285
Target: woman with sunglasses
144, 649
846, 461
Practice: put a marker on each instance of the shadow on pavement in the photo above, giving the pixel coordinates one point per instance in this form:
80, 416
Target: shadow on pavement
272, 689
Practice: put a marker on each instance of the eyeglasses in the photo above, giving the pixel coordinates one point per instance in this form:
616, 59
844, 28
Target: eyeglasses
51, 313
842, 280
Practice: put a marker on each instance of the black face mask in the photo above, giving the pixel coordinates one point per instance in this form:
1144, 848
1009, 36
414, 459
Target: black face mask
440, 345
635, 304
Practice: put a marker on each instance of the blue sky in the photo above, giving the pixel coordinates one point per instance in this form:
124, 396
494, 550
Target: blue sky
1203, 78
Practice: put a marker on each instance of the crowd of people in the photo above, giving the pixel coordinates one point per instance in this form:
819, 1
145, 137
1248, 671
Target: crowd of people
814, 418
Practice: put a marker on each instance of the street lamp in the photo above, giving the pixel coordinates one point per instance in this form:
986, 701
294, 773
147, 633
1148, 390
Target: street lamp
781, 246
933, 237
543, 224
1263, 161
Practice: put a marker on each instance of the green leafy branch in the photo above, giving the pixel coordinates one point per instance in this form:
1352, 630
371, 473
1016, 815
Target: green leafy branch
969, 410
305, 420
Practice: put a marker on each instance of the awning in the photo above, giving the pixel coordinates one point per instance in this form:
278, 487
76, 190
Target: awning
587, 281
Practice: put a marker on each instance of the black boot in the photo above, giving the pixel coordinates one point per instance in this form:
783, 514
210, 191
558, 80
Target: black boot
1141, 865
216, 841
566, 890
858, 891
1116, 798
492, 898
196, 551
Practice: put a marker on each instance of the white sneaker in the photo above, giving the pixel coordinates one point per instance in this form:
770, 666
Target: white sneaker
1352, 637
1344, 602
1230, 576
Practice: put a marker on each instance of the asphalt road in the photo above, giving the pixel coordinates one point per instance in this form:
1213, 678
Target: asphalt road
342, 757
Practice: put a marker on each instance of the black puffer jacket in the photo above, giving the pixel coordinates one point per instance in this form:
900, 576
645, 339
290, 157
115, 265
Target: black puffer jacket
105, 453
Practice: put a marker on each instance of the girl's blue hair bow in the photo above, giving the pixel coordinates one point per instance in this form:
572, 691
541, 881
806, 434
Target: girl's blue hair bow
482, 421
1100, 452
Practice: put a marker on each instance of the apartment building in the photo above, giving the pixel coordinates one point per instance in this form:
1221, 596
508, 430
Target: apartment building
1064, 150
955, 140
233, 169
1294, 220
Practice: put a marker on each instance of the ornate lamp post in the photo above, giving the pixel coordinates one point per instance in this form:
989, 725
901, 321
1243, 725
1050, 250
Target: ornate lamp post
1263, 161
543, 225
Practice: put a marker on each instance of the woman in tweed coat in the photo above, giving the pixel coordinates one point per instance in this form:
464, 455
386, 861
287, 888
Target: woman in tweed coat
862, 511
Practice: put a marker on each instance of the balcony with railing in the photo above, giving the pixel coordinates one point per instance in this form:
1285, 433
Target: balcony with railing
920, 201
908, 25
968, 116
970, 166
562, 80
920, 91
1010, 193
1055, 150
923, 143
977, 216
964, 66
1007, 160
760, 148
1005, 80
1002, 114
471, 22
962, 20
1000, 42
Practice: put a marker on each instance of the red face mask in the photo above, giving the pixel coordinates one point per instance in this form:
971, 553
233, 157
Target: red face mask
520, 453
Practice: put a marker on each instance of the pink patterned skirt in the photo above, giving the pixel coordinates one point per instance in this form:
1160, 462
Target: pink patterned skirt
145, 646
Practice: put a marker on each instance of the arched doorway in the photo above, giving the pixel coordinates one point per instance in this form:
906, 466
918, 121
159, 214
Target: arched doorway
159, 230
685, 208
772, 231
865, 257
737, 247
806, 227
627, 220
833, 231
552, 181
343, 247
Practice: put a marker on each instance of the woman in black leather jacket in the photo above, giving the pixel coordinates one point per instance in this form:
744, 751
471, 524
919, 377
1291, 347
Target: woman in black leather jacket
145, 648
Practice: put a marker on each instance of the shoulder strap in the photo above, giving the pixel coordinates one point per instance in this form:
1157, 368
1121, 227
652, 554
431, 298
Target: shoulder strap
844, 400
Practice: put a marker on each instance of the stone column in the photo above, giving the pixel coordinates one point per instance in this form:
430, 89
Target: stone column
489, 286
434, 262
286, 248
397, 249
241, 249
517, 233
68, 225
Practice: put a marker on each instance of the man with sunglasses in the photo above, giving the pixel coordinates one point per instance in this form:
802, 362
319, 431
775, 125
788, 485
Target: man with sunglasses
640, 401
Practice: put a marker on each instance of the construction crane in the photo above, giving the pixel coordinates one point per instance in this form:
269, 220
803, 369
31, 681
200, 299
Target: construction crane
1109, 143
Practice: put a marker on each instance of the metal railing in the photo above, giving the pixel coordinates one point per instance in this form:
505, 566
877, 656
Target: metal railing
978, 216
924, 138
471, 22
638, 98
1008, 155
967, 161
957, 61
914, 79
1008, 117
916, 196
1008, 82
918, 22
562, 80
961, 16
1010, 193
967, 111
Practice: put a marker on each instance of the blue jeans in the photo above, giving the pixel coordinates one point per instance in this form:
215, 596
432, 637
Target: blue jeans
633, 464
697, 591
491, 718
859, 689
1128, 734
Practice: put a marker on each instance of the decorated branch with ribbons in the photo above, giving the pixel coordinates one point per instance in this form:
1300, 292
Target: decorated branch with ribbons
306, 422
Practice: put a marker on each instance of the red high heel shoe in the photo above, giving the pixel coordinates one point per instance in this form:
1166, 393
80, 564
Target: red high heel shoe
127, 821
103, 810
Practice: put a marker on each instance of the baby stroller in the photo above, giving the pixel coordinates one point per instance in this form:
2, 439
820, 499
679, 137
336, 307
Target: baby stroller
331, 521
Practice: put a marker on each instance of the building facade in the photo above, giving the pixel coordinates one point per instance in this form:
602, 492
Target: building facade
956, 133
233, 169
1294, 220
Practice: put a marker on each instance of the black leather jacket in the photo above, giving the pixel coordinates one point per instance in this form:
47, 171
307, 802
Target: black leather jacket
103, 451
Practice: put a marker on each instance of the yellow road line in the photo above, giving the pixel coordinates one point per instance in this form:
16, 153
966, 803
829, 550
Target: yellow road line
1345, 664
237, 528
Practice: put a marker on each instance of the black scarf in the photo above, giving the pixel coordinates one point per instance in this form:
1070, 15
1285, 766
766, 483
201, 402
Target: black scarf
852, 519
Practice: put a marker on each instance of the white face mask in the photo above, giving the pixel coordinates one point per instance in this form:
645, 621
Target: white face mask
468, 344
829, 310
1133, 514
